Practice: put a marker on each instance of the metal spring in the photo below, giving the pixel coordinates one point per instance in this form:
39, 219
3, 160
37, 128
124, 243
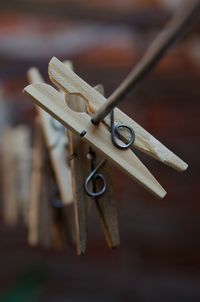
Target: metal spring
93, 177
115, 134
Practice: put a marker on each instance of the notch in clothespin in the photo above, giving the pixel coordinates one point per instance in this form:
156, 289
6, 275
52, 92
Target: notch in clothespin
90, 185
55, 145
80, 123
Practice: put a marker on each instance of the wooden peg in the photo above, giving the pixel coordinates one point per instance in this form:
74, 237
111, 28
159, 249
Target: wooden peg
56, 144
67, 80
16, 171
48, 223
10, 204
40, 215
81, 168
97, 136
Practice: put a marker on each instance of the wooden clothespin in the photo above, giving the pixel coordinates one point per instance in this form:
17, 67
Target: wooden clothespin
40, 214
74, 109
16, 171
80, 123
88, 185
56, 142
51, 158
67, 80
48, 225
81, 169
99, 136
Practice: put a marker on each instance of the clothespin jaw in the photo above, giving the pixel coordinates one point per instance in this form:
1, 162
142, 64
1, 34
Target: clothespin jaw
70, 82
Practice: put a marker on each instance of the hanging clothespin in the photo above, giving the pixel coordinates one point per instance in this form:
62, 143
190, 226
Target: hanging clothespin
48, 226
81, 169
16, 171
50, 151
99, 136
67, 80
40, 214
56, 142
113, 139
90, 185
80, 123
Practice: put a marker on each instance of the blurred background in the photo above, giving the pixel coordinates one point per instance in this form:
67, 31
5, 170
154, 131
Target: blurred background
159, 255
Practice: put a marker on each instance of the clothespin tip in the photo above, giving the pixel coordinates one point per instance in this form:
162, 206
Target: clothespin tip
34, 75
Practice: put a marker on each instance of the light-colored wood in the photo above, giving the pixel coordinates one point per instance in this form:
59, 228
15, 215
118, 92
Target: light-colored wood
58, 153
67, 80
53, 102
59, 232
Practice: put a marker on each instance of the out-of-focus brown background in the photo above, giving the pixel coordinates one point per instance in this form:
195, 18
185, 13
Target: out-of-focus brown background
159, 256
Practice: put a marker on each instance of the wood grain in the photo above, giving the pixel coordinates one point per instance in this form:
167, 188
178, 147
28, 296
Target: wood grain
98, 136
57, 154
40, 215
67, 80
81, 168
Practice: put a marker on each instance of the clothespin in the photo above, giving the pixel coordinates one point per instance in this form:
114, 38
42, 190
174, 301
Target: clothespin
56, 142
52, 142
89, 185
81, 168
99, 136
40, 214
63, 77
16, 167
